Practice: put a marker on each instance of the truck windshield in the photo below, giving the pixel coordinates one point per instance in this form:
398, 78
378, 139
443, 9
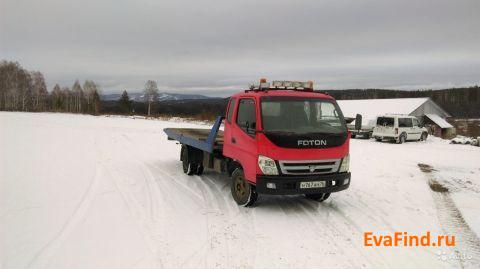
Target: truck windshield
301, 116
384, 121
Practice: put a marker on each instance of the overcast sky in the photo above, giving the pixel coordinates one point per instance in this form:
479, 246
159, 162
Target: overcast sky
217, 47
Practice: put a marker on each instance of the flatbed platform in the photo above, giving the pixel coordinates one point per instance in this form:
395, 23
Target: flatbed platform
199, 134
204, 139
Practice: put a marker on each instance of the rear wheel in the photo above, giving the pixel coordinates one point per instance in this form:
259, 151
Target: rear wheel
319, 197
243, 192
199, 170
189, 168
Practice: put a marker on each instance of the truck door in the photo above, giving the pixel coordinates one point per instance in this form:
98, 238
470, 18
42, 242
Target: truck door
229, 125
243, 137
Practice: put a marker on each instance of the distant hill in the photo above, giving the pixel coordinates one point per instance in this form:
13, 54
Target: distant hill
164, 96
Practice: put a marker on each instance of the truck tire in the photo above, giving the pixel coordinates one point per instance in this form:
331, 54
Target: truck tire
199, 170
243, 192
189, 168
424, 136
319, 197
354, 135
378, 139
402, 138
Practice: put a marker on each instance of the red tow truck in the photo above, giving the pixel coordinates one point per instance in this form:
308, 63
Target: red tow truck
278, 138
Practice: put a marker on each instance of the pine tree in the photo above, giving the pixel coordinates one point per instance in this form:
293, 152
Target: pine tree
124, 103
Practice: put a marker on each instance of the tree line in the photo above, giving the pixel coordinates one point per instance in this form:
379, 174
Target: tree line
23, 90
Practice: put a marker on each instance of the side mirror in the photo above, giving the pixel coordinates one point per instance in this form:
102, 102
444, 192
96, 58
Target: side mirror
358, 122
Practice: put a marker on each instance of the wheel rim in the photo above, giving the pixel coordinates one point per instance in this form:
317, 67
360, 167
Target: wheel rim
240, 187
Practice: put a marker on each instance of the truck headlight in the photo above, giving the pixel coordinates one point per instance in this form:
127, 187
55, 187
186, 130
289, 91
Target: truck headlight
267, 165
345, 164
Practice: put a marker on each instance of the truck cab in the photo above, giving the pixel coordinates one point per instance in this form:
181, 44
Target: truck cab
279, 138
286, 140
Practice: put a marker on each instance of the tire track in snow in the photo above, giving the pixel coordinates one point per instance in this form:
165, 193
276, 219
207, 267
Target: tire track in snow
303, 208
139, 215
216, 213
142, 216
452, 221
236, 226
353, 227
43, 256
220, 212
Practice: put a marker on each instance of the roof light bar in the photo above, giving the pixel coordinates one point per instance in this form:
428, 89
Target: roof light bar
292, 84
282, 84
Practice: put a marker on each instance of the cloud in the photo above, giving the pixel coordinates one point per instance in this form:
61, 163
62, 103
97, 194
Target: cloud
215, 47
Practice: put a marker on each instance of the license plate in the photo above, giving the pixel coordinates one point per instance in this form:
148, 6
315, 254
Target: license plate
312, 184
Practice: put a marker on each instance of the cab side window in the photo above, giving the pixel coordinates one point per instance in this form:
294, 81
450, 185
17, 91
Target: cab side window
246, 116
231, 108
415, 122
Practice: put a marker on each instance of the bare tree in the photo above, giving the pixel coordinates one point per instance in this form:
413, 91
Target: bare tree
68, 100
90, 88
96, 102
151, 94
78, 95
40, 92
56, 96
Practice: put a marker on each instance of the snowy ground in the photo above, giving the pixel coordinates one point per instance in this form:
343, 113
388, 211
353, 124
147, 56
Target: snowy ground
102, 192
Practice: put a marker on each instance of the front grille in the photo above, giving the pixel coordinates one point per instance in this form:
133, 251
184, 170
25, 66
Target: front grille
311, 167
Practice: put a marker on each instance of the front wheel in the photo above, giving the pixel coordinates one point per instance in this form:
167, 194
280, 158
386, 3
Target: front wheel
243, 192
424, 136
319, 197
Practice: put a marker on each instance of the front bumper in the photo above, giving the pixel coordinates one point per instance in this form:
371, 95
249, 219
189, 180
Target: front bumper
291, 184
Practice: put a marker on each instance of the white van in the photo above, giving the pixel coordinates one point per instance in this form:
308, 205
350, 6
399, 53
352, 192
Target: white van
399, 128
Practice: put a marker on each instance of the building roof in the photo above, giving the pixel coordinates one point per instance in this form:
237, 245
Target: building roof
371, 108
439, 121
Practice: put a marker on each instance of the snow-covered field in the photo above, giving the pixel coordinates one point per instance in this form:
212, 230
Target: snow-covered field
103, 192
